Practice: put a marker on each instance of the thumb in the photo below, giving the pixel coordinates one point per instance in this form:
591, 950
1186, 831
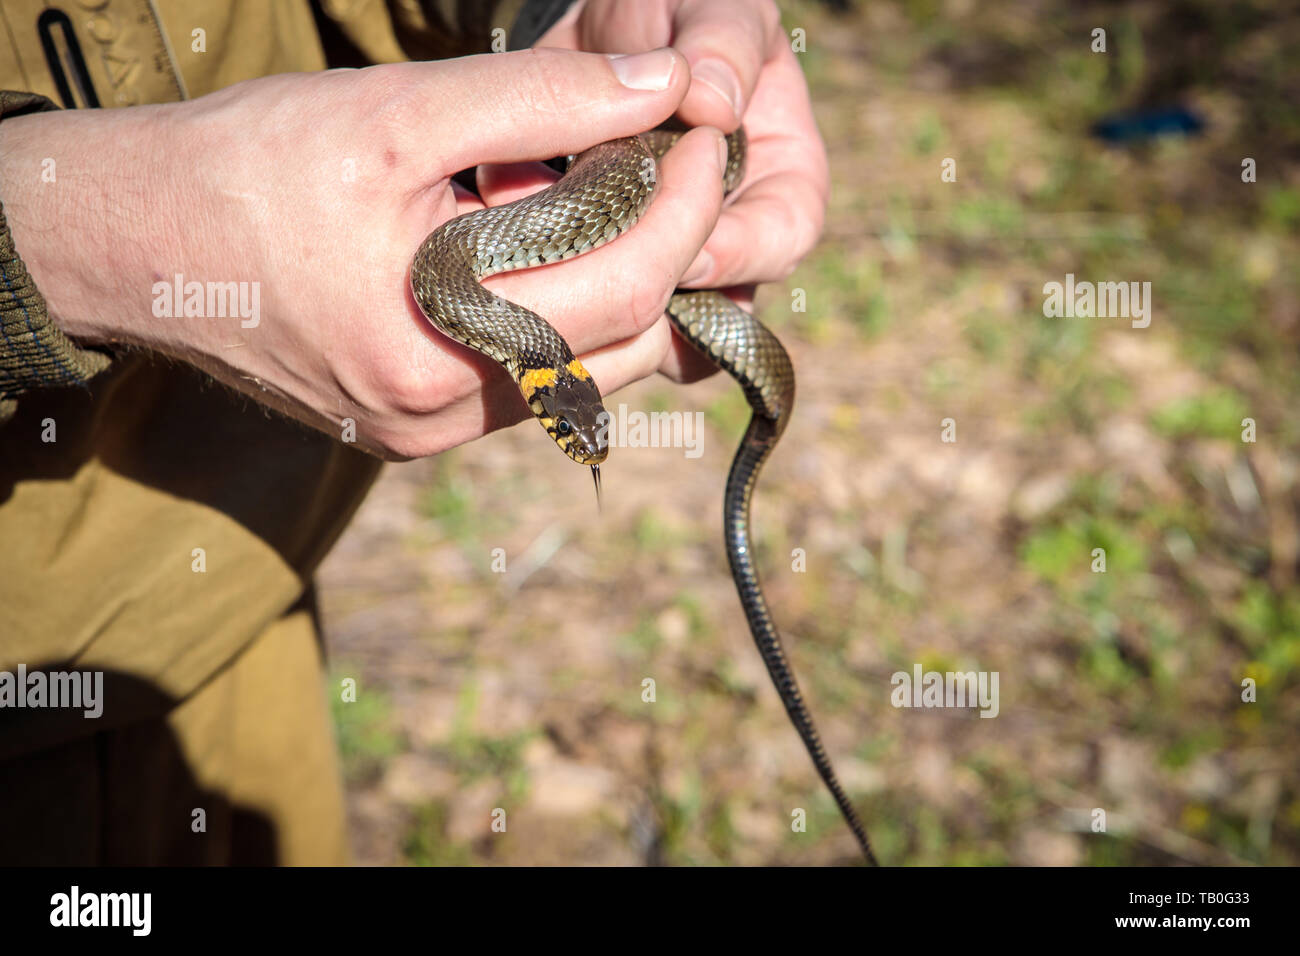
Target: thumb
536, 104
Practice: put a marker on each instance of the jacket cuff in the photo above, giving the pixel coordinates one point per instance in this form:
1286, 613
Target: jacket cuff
33, 353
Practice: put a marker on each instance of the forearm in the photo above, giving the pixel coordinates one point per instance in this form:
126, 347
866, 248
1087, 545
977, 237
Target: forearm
84, 192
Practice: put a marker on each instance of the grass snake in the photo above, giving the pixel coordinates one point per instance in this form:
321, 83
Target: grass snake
602, 194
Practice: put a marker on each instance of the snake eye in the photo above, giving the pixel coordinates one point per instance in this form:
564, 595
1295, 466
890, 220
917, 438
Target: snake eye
563, 426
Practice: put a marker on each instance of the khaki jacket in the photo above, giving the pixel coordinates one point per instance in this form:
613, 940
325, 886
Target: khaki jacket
163, 530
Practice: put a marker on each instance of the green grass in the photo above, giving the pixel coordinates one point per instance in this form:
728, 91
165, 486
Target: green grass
364, 727
1216, 414
427, 842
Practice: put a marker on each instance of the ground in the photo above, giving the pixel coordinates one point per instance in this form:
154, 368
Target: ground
1120, 691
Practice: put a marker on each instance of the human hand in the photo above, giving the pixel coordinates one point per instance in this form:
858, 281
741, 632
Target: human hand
319, 188
742, 69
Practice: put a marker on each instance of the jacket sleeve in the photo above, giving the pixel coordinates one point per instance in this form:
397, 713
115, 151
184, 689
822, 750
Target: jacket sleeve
33, 353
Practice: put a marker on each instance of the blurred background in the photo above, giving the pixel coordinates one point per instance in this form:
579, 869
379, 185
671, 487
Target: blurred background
1119, 690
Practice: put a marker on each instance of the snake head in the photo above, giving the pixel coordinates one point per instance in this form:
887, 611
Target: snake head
567, 403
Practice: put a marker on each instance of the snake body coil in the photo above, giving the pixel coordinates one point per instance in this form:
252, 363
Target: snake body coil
603, 194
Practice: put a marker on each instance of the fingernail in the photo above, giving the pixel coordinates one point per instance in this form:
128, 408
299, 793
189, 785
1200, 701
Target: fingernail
722, 154
644, 71
721, 78
701, 267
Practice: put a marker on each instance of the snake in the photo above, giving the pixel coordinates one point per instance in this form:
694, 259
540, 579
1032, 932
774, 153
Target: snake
603, 193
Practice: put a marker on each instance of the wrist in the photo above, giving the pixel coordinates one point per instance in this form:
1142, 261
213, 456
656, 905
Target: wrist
84, 203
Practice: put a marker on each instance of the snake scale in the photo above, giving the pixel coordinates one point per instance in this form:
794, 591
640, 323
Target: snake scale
602, 194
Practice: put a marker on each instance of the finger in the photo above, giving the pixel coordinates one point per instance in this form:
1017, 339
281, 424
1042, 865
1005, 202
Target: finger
763, 236
495, 402
465, 200
683, 362
620, 290
614, 366
531, 104
679, 361
778, 212
611, 295
657, 349
726, 43
503, 183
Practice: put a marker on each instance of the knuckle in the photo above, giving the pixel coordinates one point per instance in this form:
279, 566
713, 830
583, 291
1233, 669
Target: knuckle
399, 449
403, 437
803, 244
769, 16
645, 300
802, 229
393, 107
388, 92
807, 231
544, 83
394, 384
384, 435
408, 393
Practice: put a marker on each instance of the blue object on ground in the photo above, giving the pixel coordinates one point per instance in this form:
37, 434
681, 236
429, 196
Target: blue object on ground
1147, 124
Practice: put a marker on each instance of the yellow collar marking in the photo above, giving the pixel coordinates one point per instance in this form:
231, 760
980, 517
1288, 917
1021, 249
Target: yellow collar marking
536, 378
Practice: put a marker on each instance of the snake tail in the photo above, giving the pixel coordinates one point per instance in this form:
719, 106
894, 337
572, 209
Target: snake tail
602, 195
745, 349
758, 443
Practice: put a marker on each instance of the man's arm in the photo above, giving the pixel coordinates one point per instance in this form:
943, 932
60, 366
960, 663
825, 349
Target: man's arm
33, 352
316, 189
